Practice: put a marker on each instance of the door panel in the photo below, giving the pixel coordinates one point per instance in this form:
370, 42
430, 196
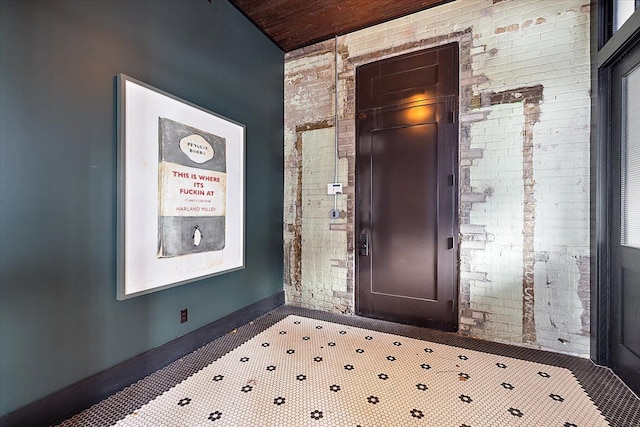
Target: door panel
403, 247
399, 82
433, 72
406, 197
625, 224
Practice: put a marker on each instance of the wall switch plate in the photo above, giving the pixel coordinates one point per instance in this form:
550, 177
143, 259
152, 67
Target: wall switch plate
335, 214
184, 316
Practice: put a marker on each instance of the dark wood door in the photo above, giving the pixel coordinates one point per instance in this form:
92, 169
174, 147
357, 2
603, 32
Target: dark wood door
625, 223
406, 192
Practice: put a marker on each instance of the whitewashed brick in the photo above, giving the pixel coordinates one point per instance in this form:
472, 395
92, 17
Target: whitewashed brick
550, 47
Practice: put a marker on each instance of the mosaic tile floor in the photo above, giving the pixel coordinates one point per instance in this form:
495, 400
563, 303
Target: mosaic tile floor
301, 371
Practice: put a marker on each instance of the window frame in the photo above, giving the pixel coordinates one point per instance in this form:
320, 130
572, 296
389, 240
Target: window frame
607, 48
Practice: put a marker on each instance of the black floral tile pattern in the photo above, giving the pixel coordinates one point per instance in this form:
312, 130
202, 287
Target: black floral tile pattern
316, 415
417, 413
465, 399
516, 412
458, 384
215, 416
343, 375
373, 400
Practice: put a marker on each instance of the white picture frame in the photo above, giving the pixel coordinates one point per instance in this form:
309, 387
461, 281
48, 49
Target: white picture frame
181, 191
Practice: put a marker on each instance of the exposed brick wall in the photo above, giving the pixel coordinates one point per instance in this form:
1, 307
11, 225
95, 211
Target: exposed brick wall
524, 159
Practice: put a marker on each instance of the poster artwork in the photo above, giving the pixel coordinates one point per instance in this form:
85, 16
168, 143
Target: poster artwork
192, 187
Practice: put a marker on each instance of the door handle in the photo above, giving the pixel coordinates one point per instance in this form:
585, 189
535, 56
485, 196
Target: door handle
364, 244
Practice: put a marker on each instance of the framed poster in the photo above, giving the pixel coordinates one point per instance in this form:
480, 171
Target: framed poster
180, 191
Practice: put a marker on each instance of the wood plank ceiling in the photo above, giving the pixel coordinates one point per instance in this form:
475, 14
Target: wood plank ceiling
292, 24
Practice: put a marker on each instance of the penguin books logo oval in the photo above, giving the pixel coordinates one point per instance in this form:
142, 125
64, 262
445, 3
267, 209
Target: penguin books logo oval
196, 148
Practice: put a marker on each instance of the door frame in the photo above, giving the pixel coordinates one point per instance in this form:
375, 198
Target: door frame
455, 166
606, 50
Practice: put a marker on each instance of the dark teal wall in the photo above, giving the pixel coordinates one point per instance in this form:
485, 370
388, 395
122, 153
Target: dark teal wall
59, 319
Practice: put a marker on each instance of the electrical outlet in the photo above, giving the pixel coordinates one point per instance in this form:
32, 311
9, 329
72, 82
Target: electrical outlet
183, 316
335, 214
